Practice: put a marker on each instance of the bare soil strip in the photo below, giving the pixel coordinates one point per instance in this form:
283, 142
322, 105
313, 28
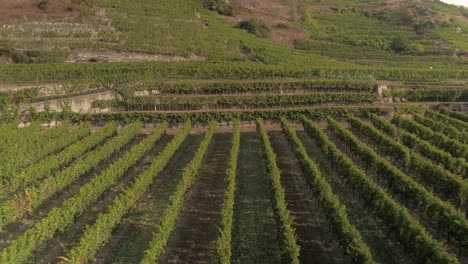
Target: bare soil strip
131, 239
195, 233
318, 245
255, 236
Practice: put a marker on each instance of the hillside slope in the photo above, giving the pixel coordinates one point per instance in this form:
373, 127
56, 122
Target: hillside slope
294, 30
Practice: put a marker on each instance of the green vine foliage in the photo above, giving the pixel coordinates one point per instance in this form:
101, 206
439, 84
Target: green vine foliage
170, 214
61, 218
291, 248
97, 235
223, 243
439, 213
395, 217
349, 237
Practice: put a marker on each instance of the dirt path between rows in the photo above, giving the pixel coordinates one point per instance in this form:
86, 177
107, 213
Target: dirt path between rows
255, 234
132, 237
318, 244
196, 230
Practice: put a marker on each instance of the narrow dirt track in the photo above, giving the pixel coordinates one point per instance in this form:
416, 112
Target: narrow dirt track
318, 245
131, 239
255, 234
194, 236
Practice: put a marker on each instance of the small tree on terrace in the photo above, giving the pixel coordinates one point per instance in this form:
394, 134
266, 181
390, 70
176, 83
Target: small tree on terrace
399, 44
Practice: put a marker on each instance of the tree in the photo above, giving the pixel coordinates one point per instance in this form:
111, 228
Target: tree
399, 44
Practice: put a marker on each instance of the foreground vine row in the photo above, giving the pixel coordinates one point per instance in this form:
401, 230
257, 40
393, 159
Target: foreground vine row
61, 218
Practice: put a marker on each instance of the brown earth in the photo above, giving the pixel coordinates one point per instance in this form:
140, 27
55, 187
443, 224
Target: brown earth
318, 245
280, 17
15, 11
196, 230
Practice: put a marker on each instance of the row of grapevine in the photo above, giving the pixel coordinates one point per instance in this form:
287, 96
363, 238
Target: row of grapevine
440, 213
453, 114
349, 237
223, 243
24, 158
170, 214
13, 138
19, 140
32, 197
431, 94
449, 185
218, 101
387, 145
11, 135
455, 165
406, 229
61, 218
440, 140
52, 163
219, 116
460, 125
97, 235
446, 129
291, 248
33, 133
256, 86
128, 72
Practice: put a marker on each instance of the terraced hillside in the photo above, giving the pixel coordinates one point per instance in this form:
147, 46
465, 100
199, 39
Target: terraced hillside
213, 131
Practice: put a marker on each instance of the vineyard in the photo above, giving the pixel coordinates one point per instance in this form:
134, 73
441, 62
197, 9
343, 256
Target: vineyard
233, 131
359, 188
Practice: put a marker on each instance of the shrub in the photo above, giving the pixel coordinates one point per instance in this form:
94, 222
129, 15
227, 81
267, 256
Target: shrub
424, 27
220, 6
399, 44
20, 57
39, 56
44, 5
256, 27
419, 47
6, 47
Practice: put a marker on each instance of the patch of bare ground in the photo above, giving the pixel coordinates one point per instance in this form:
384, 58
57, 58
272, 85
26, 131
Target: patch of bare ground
13, 230
131, 238
318, 245
4, 59
64, 242
278, 15
15, 11
195, 233
113, 56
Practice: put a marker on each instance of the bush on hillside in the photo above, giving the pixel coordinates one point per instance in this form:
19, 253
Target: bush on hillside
6, 47
422, 28
44, 5
256, 27
399, 44
220, 6
39, 56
